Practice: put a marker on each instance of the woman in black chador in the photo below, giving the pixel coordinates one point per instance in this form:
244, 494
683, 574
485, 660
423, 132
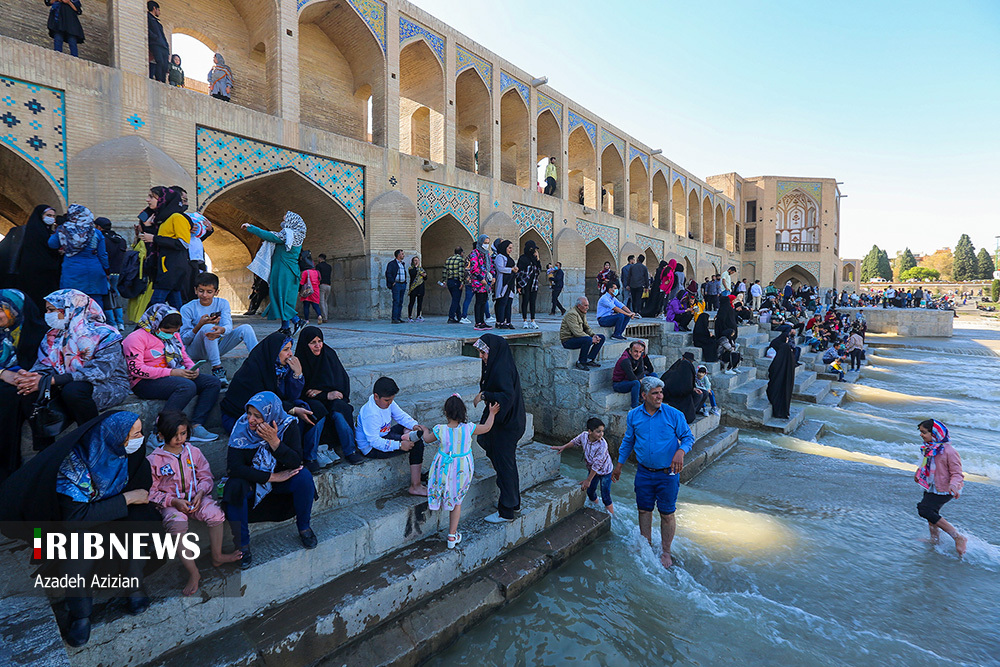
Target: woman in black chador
781, 379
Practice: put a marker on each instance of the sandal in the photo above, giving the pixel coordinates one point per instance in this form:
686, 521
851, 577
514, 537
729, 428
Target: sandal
454, 539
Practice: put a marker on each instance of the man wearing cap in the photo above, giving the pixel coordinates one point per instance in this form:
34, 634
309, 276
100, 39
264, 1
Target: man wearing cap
659, 436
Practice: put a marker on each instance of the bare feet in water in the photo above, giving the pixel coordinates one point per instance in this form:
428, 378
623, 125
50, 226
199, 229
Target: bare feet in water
935, 535
666, 560
610, 508
418, 490
192, 585
227, 558
961, 542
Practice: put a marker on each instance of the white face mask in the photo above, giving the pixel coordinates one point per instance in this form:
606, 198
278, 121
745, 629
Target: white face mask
133, 445
52, 319
49, 220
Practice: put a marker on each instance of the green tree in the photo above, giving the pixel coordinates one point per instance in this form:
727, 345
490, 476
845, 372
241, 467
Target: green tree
966, 267
884, 266
985, 264
919, 273
906, 262
995, 291
869, 265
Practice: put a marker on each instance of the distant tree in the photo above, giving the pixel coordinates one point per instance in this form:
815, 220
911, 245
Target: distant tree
966, 267
943, 260
906, 262
995, 291
919, 273
869, 265
985, 264
884, 267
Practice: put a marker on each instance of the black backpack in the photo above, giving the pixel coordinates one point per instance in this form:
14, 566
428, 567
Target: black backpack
131, 281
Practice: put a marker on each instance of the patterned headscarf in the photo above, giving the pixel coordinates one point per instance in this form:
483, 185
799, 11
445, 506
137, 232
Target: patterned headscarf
70, 348
78, 230
12, 305
173, 350
199, 225
294, 223
97, 467
269, 406
925, 473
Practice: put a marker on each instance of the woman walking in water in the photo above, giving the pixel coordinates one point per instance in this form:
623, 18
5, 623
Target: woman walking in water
941, 476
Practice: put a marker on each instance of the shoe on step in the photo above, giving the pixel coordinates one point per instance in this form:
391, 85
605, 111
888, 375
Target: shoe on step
581, 366
201, 434
465, 320
220, 374
355, 458
454, 540
496, 518
78, 632
313, 466
247, 560
309, 539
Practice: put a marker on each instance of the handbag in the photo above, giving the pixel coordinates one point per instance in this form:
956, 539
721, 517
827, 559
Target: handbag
645, 293
306, 290
46, 420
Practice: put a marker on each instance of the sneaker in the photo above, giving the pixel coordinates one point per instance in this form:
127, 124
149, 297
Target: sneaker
465, 320
247, 559
496, 518
481, 327
355, 458
730, 372
410, 320
716, 411
420, 318
534, 324
451, 321
201, 434
220, 373
319, 320
580, 366
491, 320
593, 364
526, 325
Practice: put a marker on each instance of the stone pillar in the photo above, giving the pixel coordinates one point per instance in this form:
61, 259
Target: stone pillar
564, 152
128, 48
450, 112
283, 64
392, 78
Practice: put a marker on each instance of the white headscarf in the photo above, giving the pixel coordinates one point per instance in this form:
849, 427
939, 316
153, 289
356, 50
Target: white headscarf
293, 229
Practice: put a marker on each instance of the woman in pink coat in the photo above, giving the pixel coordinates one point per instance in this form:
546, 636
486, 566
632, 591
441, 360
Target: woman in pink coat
309, 287
941, 476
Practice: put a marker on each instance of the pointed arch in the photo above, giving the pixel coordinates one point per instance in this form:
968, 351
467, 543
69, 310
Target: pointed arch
582, 168
638, 184
549, 145
544, 251
515, 153
437, 243
473, 123
597, 254
732, 235
797, 226
694, 216
613, 181
707, 222
421, 102
660, 215
798, 275
679, 210
719, 233
23, 187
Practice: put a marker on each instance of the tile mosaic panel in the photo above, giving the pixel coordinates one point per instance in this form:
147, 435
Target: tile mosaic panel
32, 124
656, 245
464, 59
408, 30
814, 190
224, 159
546, 102
434, 201
634, 153
528, 217
372, 11
609, 138
592, 230
507, 81
680, 177
576, 120
811, 268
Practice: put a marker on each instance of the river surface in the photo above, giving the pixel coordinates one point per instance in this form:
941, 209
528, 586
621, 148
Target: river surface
792, 552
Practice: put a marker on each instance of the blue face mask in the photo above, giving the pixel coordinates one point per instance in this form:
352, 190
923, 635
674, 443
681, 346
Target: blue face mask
164, 336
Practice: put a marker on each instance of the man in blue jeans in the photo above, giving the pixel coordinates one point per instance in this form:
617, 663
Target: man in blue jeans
395, 280
612, 313
630, 369
454, 275
659, 436
576, 334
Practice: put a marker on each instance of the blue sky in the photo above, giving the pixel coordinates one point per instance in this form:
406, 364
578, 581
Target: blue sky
900, 100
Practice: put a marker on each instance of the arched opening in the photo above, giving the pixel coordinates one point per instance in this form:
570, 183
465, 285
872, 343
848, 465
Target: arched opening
694, 217
544, 254
515, 155
597, 255
549, 137
582, 169
22, 188
196, 54
679, 201
263, 201
652, 261
341, 72
473, 124
661, 202
227, 257
421, 102
707, 222
848, 273
732, 235
438, 243
25, 22
613, 181
797, 275
797, 224
638, 185
719, 231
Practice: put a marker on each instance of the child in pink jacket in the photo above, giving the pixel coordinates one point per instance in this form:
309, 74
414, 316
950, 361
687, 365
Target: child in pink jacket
940, 473
182, 490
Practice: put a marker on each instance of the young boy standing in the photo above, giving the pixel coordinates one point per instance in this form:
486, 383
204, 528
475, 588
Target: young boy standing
207, 328
595, 453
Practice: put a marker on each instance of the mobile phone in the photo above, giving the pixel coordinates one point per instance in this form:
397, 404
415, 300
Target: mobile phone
199, 364
217, 313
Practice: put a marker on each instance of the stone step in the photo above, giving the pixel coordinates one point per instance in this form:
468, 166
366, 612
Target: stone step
610, 352
744, 394
815, 392
707, 449
809, 430
377, 613
573, 379
350, 537
722, 382
849, 376
804, 377
419, 375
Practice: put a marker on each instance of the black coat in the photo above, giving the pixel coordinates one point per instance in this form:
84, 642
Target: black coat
45, 263
392, 273
781, 380
157, 39
500, 383
725, 319
65, 19
325, 373
257, 374
117, 247
678, 388
704, 339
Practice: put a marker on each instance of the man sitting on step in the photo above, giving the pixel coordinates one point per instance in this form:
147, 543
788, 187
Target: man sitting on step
576, 334
378, 438
612, 313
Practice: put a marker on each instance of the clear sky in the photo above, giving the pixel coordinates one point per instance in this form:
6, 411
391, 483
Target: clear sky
900, 100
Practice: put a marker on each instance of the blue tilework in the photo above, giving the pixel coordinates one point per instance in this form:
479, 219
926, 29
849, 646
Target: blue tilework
408, 30
576, 119
593, 230
546, 102
372, 11
656, 245
32, 121
434, 201
464, 59
609, 138
224, 159
136, 122
680, 177
507, 81
634, 153
528, 217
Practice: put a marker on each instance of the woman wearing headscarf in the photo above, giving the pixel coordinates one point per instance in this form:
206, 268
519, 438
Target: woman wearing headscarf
725, 319
85, 255
653, 305
728, 351
705, 339
310, 295
418, 276
480, 278
679, 312
64, 25
787, 294
21, 331
220, 79
605, 277
95, 475
500, 383
940, 475
170, 248
277, 262
328, 388
28, 246
781, 378
146, 229
680, 283
272, 366
528, 270
679, 390
83, 356
505, 268
159, 368
267, 481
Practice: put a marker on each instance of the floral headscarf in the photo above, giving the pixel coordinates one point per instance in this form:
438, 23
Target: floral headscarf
269, 406
78, 230
12, 305
97, 467
925, 473
70, 348
173, 351
294, 223
199, 225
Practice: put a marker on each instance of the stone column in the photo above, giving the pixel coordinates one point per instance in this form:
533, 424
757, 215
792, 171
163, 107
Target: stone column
283, 64
127, 29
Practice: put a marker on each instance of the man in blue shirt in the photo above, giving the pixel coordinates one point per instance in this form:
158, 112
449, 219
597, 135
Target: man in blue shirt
659, 436
612, 313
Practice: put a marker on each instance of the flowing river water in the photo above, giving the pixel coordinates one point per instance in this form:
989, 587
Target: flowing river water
793, 552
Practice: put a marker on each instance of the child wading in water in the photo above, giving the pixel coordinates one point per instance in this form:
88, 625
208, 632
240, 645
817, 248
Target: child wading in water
451, 470
182, 489
595, 452
941, 476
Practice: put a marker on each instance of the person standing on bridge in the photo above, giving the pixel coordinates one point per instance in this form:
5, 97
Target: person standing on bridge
64, 24
159, 47
277, 262
660, 437
220, 79
550, 177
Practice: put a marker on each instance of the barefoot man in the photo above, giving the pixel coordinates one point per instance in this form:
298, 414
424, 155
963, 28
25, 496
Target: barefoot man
659, 436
